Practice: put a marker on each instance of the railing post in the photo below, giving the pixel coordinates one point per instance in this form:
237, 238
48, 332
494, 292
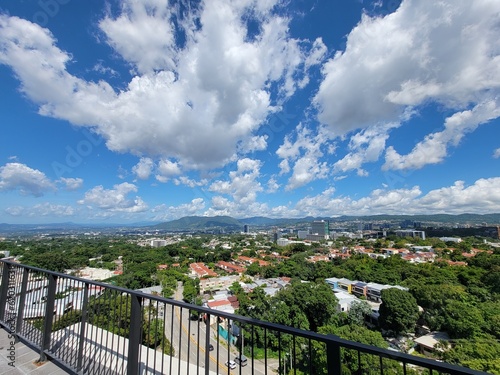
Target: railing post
207, 344
22, 300
82, 327
4, 290
333, 360
49, 316
134, 342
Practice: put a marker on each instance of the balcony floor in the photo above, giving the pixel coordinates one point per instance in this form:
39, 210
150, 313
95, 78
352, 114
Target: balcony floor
25, 359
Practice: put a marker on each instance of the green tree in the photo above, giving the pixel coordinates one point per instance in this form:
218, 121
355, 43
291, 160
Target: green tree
350, 365
398, 311
463, 320
357, 313
478, 354
253, 269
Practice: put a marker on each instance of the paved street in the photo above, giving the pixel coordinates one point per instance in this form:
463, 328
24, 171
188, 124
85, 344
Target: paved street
192, 343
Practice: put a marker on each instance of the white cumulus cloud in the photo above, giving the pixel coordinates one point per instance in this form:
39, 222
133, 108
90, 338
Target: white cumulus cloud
443, 51
143, 168
18, 176
115, 199
434, 148
164, 212
71, 183
243, 184
191, 103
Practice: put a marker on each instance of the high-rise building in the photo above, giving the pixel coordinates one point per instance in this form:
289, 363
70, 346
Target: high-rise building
246, 228
276, 236
320, 227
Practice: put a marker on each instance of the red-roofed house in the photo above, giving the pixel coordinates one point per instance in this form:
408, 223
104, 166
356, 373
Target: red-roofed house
248, 261
230, 267
200, 270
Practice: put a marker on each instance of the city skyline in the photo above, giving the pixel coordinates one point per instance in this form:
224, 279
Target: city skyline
152, 111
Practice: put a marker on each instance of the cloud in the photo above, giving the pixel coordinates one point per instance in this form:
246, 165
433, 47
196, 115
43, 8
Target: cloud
243, 184
71, 183
434, 148
365, 146
446, 51
496, 153
17, 176
272, 185
167, 169
42, 209
252, 144
224, 206
115, 199
100, 68
192, 102
305, 154
143, 34
143, 168
162, 212
184, 180
481, 197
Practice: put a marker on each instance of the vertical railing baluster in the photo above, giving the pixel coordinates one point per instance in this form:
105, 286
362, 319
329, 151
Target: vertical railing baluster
180, 341
310, 356
253, 344
334, 365
22, 302
49, 316
207, 344
279, 352
134, 343
81, 338
188, 343
197, 340
4, 290
218, 343
265, 351
172, 338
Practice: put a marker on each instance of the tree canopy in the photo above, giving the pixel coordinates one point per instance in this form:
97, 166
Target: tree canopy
398, 311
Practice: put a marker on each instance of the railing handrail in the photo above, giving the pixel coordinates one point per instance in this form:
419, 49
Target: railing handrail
327, 339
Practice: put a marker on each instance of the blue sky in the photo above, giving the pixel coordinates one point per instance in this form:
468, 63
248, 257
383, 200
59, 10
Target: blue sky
129, 111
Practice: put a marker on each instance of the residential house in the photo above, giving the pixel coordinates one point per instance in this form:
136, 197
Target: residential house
435, 341
374, 291
359, 289
345, 284
200, 270
230, 267
345, 300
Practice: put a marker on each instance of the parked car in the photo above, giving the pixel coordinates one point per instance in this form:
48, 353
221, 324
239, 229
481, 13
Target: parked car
231, 364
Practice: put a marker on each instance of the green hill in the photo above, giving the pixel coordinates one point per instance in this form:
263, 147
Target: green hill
189, 223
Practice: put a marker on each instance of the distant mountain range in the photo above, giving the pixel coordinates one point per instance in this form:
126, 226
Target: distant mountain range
202, 223
194, 223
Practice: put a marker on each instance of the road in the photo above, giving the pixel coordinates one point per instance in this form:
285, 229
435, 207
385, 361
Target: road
190, 345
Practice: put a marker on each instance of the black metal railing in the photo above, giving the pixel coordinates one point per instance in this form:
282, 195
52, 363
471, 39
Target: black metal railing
90, 327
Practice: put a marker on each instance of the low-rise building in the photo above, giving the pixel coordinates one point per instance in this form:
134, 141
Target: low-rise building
230, 267
200, 270
217, 283
359, 289
435, 341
